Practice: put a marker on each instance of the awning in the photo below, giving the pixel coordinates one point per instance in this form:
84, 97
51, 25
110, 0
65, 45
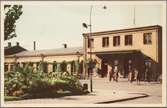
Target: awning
119, 54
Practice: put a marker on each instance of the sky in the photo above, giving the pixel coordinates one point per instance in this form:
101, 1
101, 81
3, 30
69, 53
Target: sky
52, 25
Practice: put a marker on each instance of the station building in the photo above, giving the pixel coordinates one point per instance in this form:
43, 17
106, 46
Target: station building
141, 45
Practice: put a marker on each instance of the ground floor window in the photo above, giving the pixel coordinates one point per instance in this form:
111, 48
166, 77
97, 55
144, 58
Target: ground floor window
54, 66
6, 67
11, 67
24, 64
73, 69
58, 69
63, 66
37, 65
45, 67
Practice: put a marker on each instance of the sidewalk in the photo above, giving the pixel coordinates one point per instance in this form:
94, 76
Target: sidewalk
96, 97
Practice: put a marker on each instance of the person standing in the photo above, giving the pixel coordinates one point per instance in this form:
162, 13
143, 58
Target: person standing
116, 73
147, 71
130, 71
110, 75
139, 75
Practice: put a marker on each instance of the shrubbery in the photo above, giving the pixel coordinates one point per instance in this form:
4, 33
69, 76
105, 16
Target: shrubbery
26, 81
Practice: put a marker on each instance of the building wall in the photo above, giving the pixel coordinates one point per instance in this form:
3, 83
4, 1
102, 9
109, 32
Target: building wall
137, 43
49, 59
152, 52
46, 58
62, 58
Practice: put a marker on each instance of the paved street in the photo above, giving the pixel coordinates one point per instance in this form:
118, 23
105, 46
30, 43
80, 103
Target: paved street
110, 93
154, 90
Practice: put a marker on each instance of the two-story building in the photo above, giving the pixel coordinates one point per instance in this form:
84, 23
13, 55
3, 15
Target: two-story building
141, 45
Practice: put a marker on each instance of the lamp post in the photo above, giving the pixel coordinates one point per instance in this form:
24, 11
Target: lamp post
78, 64
89, 40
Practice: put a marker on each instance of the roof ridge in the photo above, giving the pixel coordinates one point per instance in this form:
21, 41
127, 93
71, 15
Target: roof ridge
55, 49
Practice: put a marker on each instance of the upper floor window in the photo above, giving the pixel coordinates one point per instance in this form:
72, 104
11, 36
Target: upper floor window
90, 43
105, 41
116, 40
147, 38
128, 39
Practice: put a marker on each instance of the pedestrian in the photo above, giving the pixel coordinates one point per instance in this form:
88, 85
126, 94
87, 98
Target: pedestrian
130, 71
115, 73
139, 75
117, 76
135, 74
110, 75
131, 76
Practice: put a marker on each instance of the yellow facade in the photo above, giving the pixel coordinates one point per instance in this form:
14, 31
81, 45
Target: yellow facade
152, 51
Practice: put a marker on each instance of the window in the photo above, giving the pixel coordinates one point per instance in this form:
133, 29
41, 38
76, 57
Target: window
6, 68
11, 67
105, 41
128, 39
90, 43
24, 64
37, 65
116, 40
54, 66
45, 67
147, 38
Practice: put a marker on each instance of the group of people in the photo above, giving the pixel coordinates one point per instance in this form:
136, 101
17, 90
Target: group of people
133, 73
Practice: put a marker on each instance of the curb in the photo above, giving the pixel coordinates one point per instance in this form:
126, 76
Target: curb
125, 99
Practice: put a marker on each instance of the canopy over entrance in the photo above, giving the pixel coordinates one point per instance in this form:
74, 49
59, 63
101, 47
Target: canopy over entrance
122, 57
115, 54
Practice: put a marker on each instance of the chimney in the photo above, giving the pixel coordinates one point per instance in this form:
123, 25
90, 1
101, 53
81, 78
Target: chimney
65, 45
17, 43
9, 44
34, 45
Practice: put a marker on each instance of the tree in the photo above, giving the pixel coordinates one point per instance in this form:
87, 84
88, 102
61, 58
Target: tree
12, 14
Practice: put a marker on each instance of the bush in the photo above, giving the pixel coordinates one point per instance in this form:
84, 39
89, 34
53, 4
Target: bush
23, 81
54, 82
18, 80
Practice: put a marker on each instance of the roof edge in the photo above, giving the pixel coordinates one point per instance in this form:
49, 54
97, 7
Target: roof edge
123, 30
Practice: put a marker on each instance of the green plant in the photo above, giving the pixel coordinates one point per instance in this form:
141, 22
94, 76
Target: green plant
24, 80
56, 81
19, 79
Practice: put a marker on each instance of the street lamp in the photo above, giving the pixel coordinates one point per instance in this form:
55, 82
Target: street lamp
89, 39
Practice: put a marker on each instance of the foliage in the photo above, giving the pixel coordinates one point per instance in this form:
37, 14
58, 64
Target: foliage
54, 82
91, 63
26, 80
11, 98
12, 14
19, 79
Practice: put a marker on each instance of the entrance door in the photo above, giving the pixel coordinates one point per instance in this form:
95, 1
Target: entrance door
127, 60
104, 69
125, 75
